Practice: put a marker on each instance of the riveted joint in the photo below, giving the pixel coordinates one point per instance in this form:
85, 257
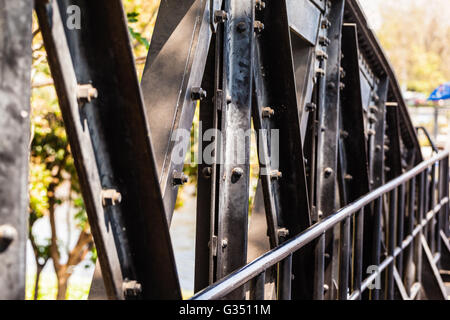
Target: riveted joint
324, 41
131, 289
260, 5
276, 175
373, 109
258, 26
267, 112
179, 178
372, 118
328, 172
198, 93
320, 72
86, 92
282, 233
311, 107
110, 197
321, 55
344, 134
220, 16
375, 97
326, 23
207, 172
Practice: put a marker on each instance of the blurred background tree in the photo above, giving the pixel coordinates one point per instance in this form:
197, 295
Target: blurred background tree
415, 35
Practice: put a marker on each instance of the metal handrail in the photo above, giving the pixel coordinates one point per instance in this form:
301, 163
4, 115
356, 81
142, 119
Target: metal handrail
261, 264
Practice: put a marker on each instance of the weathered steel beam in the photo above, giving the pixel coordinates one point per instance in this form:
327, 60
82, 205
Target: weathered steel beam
354, 14
355, 173
15, 76
207, 178
110, 141
174, 68
328, 132
233, 188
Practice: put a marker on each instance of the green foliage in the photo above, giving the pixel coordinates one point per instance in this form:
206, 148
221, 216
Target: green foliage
415, 36
133, 18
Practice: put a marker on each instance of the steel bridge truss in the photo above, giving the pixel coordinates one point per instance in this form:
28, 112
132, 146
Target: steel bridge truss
311, 71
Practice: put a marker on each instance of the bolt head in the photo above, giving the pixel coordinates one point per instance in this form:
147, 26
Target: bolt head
207, 171
220, 16
241, 27
328, 172
179, 178
86, 92
267, 112
198, 93
131, 289
111, 197
236, 174
311, 107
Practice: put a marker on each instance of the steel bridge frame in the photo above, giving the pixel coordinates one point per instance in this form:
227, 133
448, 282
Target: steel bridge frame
421, 244
311, 70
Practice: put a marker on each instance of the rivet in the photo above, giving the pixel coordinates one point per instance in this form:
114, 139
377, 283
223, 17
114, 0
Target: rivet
260, 5
131, 289
241, 27
275, 175
207, 171
311, 107
324, 41
110, 197
86, 92
258, 26
179, 178
220, 16
237, 173
198, 93
267, 112
282, 232
224, 243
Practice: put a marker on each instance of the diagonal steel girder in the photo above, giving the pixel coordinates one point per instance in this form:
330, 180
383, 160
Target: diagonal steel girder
15, 74
109, 138
174, 68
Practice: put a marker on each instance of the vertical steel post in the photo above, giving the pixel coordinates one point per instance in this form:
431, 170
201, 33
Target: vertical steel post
391, 243
234, 167
446, 195
344, 261
409, 263
206, 176
358, 252
420, 215
432, 225
285, 280
15, 66
400, 226
257, 287
376, 244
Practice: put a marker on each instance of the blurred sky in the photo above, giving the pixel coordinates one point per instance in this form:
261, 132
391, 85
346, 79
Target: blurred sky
441, 8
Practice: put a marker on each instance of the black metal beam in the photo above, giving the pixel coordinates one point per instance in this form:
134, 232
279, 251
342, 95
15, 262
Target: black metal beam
110, 141
175, 66
15, 77
234, 173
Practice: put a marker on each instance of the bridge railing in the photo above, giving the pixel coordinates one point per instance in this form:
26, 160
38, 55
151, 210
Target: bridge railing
411, 225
